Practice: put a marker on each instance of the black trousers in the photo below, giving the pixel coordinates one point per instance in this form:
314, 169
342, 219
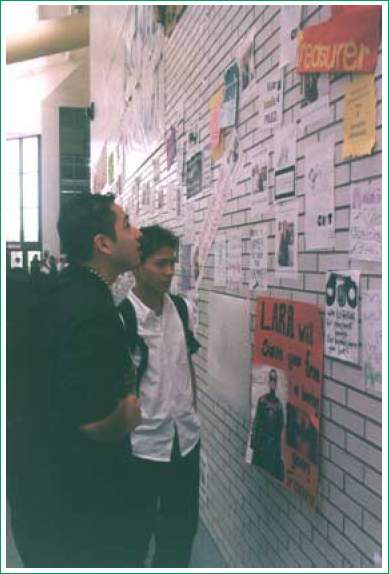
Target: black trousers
166, 498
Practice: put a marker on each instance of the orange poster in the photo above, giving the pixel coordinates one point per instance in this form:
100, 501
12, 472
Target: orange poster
286, 391
347, 42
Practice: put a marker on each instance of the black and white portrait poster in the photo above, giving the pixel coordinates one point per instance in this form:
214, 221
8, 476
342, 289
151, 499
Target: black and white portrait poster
286, 237
342, 315
319, 196
285, 162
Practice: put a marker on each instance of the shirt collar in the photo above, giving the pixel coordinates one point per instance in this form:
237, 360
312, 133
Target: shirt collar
143, 311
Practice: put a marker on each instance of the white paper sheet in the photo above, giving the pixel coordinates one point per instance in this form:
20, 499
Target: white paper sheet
319, 196
342, 315
258, 259
372, 339
229, 351
366, 222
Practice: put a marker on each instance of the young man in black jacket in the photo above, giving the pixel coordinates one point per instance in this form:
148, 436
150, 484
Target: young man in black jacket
75, 511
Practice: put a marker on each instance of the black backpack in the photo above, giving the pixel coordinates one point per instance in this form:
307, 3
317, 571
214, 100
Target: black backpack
128, 314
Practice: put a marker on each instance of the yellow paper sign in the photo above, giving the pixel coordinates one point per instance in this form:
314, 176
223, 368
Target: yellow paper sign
359, 117
217, 136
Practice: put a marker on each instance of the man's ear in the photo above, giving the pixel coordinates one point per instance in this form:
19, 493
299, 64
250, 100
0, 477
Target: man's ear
102, 244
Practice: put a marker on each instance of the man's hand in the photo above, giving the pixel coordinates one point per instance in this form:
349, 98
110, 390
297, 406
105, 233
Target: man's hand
120, 422
131, 412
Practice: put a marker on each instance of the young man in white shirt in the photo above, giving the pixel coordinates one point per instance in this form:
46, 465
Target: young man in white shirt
165, 446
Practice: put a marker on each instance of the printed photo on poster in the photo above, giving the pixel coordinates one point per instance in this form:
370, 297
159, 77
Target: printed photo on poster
269, 395
259, 182
315, 105
229, 111
284, 162
366, 222
271, 94
342, 315
194, 175
258, 259
287, 375
319, 196
286, 240
372, 339
233, 155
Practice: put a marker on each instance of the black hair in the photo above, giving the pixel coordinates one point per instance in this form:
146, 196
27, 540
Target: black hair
81, 218
273, 372
154, 238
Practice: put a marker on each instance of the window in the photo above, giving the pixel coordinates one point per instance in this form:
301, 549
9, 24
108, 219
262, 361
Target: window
23, 193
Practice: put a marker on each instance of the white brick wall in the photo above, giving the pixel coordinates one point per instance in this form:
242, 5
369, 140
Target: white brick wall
255, 522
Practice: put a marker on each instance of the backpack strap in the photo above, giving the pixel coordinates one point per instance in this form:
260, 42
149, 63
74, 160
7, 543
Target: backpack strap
127, 311
182, 308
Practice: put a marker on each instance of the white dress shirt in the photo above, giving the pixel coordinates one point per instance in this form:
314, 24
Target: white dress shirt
166, 396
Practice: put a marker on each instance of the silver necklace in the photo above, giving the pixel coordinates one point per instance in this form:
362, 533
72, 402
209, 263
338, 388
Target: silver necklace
97, 274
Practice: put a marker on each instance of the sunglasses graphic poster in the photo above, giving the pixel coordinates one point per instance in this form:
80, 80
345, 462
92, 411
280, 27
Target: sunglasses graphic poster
342, 315
284, 435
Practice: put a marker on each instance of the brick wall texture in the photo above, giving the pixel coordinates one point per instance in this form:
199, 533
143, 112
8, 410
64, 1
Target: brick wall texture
254, 521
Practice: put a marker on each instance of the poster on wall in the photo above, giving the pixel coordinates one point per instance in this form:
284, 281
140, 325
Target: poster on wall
286, 237
285, 161
216, 133
366, 222
229, 351
290, 22
359, 116
220, 279
171, 147
342, 315
347, 42
229, 111
271, 94
194, 175
100, 175
315, 105
287, 375
185, 282
246, 60
258, 259
319, 196
372, 339
234, 261
259, 182
233, 156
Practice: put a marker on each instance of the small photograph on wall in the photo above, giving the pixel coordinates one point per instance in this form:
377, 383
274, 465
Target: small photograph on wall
286, 240
284, 162
194, 175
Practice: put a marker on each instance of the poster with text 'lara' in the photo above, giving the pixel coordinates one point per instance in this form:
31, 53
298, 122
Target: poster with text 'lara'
287, 374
